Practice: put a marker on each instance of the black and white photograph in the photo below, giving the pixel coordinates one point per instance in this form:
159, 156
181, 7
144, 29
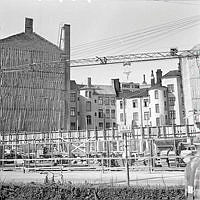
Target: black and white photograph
99, 99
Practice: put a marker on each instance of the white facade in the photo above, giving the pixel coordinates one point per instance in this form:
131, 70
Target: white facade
133, 111
158, 106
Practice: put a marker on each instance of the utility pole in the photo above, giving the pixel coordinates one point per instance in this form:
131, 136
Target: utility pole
127, 165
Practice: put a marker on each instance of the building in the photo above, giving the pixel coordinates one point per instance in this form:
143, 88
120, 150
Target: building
74, 106
133, 109
190, 74
172, 80
35, 85
97, 106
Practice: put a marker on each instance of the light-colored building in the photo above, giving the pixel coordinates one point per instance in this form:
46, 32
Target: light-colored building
97, 106
190, 73
172, 80
133, 109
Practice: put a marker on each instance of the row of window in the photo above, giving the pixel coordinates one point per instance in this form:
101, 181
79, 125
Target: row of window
135, 103
108, 113
172, 115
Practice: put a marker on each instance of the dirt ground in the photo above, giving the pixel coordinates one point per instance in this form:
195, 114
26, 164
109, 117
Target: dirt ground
97, 177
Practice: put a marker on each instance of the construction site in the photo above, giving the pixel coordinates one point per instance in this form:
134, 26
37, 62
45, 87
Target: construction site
34, 113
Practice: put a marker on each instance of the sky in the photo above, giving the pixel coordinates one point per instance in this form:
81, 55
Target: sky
95, 20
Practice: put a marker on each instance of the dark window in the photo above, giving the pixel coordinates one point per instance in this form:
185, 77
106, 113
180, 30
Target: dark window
100, 125
113, 114
73, 126
121, 104
90, 94
107, 124
100, 113
145, 102
172, 114
86, 93
157, 121
135, 103
89, 120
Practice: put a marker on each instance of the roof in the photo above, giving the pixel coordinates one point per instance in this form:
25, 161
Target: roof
99, 89
133, 94
30, 40
172, 74
156, 87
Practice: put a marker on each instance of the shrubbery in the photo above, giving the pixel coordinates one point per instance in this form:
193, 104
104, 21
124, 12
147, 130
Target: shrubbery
58, 191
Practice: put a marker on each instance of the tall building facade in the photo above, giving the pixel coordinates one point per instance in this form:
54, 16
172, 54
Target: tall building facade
97, 106
35, 82
190, 73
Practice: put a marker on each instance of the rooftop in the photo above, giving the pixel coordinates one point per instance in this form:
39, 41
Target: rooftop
172, 74
133, 94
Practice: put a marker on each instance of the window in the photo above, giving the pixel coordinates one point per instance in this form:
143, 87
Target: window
145, 102
86, 93
89, 120
113, 114
149, 112
100, 100
121, 104
165, 93
100, 113
73, 126
107, 113
156, 94
172, 114
157, 121
157, 108
107, 124
121, 117
135, 103
90, 94
72, 97
172, 101
107, 101
100, 125
95, 101
135, 116
165, 105
146, 115
170, 87
88, 106
72, 111
112, 101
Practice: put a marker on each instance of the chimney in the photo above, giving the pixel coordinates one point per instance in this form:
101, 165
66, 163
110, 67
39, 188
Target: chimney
116, 86
144, 80
89, 82
152, 78
159, 77
28, 25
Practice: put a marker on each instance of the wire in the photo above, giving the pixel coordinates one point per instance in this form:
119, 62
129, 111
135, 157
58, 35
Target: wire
147, 36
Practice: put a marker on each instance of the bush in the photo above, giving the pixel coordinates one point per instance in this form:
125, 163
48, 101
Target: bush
84, 192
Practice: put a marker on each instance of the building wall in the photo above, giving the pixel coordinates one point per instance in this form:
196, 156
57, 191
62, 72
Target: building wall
32, 100
98, 121
158, 117
136, 112
176, 94
191, 84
